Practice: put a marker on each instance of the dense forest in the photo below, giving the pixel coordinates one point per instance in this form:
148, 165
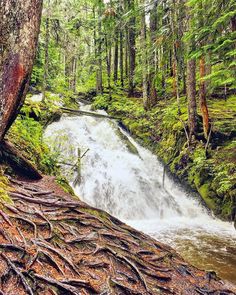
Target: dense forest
166, 68
117, 147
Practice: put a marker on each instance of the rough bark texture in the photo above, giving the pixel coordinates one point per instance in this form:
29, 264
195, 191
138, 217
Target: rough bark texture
116, 56
191, 94
99, 86
131, 48
202, 98
46, 57
152, 74
53, 244
144, 59
19, 28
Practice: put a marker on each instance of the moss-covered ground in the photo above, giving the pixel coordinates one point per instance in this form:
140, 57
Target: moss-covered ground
211, 171
26, 134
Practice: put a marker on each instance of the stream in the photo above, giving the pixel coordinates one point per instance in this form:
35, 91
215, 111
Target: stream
129, 185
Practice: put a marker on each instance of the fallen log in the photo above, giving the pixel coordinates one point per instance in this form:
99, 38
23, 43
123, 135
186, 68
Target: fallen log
13, 157
86, 113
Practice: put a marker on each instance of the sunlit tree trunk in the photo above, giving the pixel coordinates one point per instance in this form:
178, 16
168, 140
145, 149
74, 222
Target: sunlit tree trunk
19, 28
202, 74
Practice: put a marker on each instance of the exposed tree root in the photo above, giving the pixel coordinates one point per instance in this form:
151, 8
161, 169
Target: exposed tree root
51, 244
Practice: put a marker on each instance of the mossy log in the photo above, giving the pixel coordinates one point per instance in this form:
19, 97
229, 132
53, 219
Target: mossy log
10, 155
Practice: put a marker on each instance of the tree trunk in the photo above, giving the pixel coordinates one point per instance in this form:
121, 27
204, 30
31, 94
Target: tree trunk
144, 59
99, 51
191, 95
152, 74
131, 47
46, 57
116, 56
202, 98
108, 60
121, 60
173, 23
19, 28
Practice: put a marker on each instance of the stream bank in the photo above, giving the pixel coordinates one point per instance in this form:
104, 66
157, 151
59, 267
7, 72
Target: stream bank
121, 177
211, 172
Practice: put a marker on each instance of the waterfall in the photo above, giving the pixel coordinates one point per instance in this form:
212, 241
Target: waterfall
128, 184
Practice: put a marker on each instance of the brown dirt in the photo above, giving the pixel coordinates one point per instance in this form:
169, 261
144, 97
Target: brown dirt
52, 244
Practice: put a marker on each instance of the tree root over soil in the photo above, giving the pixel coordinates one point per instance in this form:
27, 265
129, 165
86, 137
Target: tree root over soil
52, 244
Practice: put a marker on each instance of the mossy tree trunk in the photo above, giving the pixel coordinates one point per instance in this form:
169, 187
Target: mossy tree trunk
19, 28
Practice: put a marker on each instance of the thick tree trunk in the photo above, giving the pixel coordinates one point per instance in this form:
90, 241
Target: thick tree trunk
19, 28
202, 98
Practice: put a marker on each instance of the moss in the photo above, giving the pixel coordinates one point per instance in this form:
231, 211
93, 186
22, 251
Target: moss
208, 196
4, 188
132, 149
62, 181
101, 214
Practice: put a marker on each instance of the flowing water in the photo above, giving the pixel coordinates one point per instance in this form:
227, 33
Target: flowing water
129, 185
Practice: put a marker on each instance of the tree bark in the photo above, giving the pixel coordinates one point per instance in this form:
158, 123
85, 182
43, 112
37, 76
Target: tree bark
131, 47
46, 57
19, 28
202, 98
99, 51
152, 74
116, 54
121, 60
146, 101
191, 95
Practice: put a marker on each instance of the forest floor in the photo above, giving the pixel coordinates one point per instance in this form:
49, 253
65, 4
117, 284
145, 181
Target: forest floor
53, 244
209, 169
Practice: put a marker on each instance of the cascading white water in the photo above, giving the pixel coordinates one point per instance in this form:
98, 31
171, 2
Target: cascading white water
129, 186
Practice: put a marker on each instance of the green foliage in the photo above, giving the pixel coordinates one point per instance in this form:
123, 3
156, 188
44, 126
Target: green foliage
26, 134
4, 187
